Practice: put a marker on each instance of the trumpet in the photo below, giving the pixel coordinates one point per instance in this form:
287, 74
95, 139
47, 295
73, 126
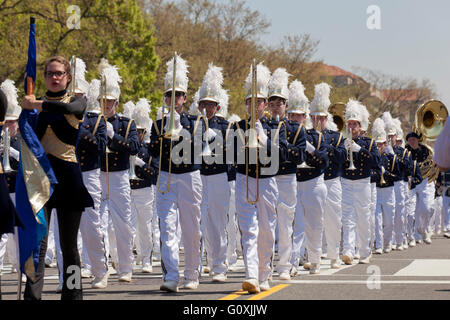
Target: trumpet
6, 144
352, 165
382, 181
252, 141
171, 132
132, 171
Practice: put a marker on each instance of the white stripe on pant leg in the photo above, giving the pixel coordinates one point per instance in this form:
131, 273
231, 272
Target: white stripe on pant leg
313, 196
120, 211
387, 203
189, 197
143, 202
166, 206
333, 217
248, 224
267, 217
91, 226
298, 239
287, 201
218, 200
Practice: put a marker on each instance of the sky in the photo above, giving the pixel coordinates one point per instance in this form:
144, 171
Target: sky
414, 39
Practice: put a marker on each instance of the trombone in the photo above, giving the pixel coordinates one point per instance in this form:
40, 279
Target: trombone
252, 141
102, 108
207, 150
171, 133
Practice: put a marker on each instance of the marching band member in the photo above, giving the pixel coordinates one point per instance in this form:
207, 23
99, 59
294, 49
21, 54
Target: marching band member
256, 213
337, 155
425, 190
286, 175
215, 199
185, 189
9, 242
312, 190
142, 185
297, 110
122, 142
356, 186
91, 144
385, 209
57, 129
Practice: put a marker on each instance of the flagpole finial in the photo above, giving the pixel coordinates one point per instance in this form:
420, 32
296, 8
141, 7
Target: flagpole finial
32, 20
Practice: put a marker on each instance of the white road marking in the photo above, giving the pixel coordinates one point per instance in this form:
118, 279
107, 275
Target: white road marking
426, 268
364, 282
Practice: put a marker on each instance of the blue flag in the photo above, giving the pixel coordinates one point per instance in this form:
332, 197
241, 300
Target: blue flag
35, 177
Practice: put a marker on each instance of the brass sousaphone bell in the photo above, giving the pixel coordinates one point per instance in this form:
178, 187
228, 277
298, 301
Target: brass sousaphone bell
430, 119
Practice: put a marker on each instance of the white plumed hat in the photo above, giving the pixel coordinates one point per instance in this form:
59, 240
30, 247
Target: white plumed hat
398, 128
262, 82
298, 102
80, 84
278, 84
321, 101
211, 85
13, 111
193, 109
181, 78
223, 103
365, 118
389, 123
93, 104
353, 111
141, 115
113, 80
378, 132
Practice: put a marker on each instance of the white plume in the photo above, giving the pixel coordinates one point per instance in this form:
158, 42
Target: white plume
141, 114
80, 69
321, 100
398, 127
93, 104
262, 79
330, 123
10, 90
193, 109
365, 118
182, 80
223, 103
378, 132
297, 98
128, 109
212, 83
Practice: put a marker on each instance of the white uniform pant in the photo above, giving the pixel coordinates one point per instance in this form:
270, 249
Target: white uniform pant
311, 197
155, 228
424, 205
411, 213
287, 201
185, 194
232, 226
333, 217
437, 220
373, 207
118, 207
9, 244
142, 202
257, 225
399, 216
91, 227
215, 202
446, 208
356, 216
385, 212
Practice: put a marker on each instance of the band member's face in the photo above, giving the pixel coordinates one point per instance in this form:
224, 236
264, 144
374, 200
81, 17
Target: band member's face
319, 121
297, 117
381, 146
141, 134
355, 127
56, 77
399, 143
277, 107
261, 105
13, 126
180, 100
392, 137
413, 142
110, 107
210, 107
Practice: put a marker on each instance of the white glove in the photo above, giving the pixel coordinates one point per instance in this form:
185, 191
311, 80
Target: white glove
14, 153
109, 130
177, 119
261, 134
383, 170
347, 143
310, 148
210, 135
389, 150
139, 162
355, 147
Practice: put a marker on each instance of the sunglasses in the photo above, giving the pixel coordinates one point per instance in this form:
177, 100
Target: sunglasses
177, 94
58, 74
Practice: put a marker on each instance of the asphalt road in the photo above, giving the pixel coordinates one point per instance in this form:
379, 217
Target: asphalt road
419, 273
